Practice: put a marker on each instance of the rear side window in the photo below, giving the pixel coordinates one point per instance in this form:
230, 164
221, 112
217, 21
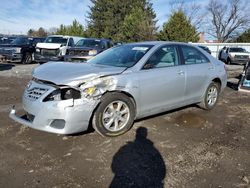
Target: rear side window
193, 56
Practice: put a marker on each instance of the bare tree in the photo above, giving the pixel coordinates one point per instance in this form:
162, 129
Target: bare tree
227, 19
191, 9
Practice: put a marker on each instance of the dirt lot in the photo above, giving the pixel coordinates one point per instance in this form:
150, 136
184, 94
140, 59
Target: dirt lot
188, 147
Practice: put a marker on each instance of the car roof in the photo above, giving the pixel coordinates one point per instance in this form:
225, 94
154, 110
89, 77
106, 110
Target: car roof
96, 39
158, 43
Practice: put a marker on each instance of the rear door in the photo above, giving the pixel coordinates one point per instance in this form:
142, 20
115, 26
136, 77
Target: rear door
162, 81
198, 68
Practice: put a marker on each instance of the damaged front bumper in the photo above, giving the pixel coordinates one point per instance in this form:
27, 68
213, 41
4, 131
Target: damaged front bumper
44, 59
61, 117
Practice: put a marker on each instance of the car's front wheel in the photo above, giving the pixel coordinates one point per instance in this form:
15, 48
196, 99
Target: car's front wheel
115, 115
211, 96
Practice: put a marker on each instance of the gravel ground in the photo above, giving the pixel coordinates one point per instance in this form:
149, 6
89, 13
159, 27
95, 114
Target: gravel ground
187, 147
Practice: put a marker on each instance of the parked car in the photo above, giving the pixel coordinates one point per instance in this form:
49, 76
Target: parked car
205, 48
244, 83
21, 49
234, 55
119, 85
87, 48
54, 48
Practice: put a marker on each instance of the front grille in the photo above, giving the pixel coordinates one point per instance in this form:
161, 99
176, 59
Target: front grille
6, 52
49, 52
79, 52
35, 93
241, 57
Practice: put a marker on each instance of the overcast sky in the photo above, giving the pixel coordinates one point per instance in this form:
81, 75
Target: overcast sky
18, 16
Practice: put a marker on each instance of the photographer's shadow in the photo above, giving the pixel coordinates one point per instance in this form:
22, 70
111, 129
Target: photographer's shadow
138, 164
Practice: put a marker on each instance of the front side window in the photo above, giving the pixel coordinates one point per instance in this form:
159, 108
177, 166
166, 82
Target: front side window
193, 56
164, 57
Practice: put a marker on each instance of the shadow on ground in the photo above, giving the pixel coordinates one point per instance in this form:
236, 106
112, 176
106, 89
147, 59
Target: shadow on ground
6, 66
138, 164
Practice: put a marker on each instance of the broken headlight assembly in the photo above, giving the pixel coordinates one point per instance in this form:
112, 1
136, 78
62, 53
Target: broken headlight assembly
63, 94
96, 87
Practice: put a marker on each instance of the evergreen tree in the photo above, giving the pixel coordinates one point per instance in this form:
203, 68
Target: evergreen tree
76, 29
62, 30
138, 26
244, 37
178, 28
106, 17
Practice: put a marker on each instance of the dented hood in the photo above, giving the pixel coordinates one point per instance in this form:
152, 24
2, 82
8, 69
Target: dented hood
62, 73
48, 45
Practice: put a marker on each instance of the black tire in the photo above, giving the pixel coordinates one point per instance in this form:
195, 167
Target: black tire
206, 104
27, 58
228, 61
112, 100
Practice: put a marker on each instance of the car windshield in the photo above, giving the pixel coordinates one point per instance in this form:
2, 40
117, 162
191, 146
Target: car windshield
88, 43
20, 41
59, 40
121, 56
237, 50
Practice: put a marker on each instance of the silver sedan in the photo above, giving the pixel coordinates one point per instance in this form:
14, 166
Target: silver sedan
124, 83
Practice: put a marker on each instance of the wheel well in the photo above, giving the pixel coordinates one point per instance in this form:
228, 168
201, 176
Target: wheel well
218, 81
124, 92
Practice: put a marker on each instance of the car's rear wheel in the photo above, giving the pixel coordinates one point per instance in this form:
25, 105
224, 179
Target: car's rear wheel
211, 96
115, 115
27, 59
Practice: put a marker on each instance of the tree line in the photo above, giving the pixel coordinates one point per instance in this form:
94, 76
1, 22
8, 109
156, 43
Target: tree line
135, 20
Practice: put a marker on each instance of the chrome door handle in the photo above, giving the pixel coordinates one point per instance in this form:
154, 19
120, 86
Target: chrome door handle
180, 72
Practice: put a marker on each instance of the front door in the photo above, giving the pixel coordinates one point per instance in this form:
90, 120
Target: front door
161, 81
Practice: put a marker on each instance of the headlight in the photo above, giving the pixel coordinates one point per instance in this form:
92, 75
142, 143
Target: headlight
59, 52
92, 52
69, 93
38, 50
96, 87
231, 55
63, 94
54, 96
15, 50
